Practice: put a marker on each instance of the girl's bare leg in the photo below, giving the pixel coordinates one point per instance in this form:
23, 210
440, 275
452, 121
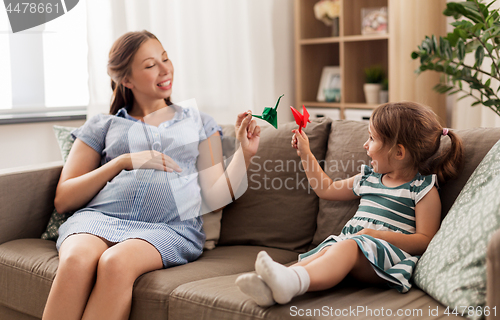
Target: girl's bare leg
310, 259
78, 257
117, 270
336, 263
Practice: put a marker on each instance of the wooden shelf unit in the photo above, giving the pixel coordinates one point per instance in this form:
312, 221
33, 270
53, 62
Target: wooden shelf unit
315, 48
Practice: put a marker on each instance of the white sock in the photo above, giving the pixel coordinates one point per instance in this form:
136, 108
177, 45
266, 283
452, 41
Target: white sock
253, 286
304, 279
285, 283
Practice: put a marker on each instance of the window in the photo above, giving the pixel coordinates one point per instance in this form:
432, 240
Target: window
44, 69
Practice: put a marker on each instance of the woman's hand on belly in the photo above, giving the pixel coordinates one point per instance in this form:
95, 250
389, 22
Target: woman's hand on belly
149, 159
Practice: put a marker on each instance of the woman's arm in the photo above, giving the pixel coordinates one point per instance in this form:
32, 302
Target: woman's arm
82, 178
428, 219
320, 182
218, 186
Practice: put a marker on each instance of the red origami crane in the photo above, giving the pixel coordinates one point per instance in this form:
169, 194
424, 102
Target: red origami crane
301, 119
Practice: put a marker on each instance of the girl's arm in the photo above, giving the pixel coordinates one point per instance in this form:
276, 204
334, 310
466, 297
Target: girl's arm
82, 178
428, 219
320, 182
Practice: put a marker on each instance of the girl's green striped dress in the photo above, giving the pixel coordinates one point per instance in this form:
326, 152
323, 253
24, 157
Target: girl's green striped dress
386, 209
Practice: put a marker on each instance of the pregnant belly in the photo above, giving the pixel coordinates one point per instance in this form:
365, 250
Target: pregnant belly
149, 195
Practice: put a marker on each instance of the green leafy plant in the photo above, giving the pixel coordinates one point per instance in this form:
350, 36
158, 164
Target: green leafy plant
385, 84
476, 30
374, 74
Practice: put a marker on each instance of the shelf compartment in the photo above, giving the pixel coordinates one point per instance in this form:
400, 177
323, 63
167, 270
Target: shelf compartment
352, 9
320, 40
357, 57
316, 104
310, 27
343, 39
357, 114
360, 106
312, 60
372, 37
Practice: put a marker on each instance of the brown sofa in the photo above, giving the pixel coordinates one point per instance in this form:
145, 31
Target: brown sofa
278, 213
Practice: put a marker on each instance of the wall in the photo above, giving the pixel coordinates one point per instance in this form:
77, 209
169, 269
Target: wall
30, 143
284, 58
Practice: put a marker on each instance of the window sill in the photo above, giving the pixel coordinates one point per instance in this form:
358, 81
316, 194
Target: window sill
13, 116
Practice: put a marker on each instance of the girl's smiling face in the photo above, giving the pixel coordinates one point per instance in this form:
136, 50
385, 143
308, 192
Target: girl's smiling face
376, 150
152, 72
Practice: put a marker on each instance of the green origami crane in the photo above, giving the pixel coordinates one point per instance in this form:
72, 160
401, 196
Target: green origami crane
270, 114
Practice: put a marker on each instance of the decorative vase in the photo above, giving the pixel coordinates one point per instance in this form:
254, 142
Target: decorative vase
335, 27
371, 92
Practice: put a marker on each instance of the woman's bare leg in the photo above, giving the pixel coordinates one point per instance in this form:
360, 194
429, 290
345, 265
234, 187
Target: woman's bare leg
117, 271
78, 257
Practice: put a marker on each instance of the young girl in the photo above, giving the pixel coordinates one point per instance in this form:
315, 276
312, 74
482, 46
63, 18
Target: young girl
398, 214
119, 178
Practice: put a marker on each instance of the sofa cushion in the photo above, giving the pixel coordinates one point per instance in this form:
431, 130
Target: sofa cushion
219, 298
27, 200
343, 160
477, 142
453, 268
65, 141
8, 313
278, 209
29, 265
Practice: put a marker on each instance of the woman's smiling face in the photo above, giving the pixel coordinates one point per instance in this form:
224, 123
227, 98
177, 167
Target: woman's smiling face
152, 72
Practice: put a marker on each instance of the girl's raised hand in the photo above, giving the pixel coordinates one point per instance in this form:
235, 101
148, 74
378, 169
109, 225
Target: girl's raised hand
149, 159
300, 141
247, 133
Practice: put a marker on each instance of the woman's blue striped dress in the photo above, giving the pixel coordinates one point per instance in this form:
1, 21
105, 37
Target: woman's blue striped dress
141, 203
386, 209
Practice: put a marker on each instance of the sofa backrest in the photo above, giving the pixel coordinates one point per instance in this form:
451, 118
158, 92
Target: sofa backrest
343, 159
278, 209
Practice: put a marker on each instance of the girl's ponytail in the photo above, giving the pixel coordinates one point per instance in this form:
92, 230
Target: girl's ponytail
449, 159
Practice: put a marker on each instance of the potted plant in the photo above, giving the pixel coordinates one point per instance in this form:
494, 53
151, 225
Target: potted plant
373, 83
383, 95
476, 30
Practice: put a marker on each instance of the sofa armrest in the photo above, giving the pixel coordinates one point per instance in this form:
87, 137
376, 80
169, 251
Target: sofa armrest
27, 200
493, 272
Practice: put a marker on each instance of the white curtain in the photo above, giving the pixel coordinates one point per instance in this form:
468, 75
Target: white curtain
225, 53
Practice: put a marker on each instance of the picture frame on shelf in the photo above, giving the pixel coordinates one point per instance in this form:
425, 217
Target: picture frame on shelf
374, 21
329, 85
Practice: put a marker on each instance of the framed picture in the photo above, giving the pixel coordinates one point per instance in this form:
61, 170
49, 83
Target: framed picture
329, 85
374, 20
